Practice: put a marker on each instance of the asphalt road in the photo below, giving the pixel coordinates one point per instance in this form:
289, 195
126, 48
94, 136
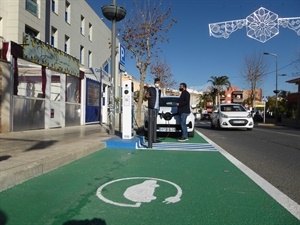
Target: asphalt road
273, 152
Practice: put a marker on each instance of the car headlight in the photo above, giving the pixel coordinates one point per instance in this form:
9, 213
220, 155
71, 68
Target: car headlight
223, 115
249, 115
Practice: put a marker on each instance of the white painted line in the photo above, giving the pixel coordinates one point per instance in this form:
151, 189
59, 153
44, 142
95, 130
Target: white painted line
179, 146
289, 204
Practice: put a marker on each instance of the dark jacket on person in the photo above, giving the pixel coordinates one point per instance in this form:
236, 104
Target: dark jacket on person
184, 102
151, 100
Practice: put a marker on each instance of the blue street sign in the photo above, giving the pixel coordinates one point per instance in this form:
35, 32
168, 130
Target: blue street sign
265, 98
122, 55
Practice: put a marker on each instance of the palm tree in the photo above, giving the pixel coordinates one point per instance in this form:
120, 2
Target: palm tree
203, 99
218, 83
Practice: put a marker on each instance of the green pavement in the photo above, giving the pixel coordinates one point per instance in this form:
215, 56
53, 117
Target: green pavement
204, 186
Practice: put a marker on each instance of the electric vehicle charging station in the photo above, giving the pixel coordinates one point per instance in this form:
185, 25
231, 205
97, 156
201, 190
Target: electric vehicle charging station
127, 110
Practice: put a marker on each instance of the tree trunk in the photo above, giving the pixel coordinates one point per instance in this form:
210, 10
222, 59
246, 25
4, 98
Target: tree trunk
218, 98
140, 99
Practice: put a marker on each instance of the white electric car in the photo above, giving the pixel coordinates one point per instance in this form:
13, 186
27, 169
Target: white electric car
231, 116
168, 119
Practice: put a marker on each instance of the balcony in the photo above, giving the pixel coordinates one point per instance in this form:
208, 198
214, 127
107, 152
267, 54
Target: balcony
237, 97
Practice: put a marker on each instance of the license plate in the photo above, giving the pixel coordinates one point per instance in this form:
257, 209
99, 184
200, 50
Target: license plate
238, 121
167, 129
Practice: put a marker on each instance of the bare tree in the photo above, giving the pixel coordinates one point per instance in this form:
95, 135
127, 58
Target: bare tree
141, 35
297, 65
162, 70
253, 71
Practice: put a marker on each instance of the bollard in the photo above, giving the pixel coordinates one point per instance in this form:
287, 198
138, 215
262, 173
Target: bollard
155, 112
151, 113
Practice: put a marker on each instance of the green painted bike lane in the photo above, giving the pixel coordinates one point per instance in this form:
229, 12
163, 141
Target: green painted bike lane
213, 191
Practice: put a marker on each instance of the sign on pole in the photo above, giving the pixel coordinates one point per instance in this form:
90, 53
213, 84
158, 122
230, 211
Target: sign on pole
122, 55
264, 100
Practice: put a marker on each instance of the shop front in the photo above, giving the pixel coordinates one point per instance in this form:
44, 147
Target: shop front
44, 87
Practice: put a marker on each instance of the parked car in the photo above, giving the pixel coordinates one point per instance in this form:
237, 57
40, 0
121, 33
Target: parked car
168, 119
205, 115
231, 116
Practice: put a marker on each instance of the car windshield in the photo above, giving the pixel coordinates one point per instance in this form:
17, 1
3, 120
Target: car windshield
232, 108
168, 101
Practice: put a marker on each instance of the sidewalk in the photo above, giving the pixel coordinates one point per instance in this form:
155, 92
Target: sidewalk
285, 123
27, 154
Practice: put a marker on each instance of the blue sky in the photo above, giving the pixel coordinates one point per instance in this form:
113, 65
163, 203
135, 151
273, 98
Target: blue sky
194, 56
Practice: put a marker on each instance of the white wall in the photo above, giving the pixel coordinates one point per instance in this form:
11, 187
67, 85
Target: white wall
15, 17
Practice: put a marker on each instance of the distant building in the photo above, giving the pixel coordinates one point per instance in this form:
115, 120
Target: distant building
232, 95
257, 97
295, 97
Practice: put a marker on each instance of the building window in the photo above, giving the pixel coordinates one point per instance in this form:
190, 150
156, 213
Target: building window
54, 6
82, 25
90, 59
67, 44
106, 67
32, 32
67, 12
55, 88
32, 7
72, 89
54, 37
90, 31
1, 27
81, 55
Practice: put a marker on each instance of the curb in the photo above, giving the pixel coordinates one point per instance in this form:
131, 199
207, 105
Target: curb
267, 124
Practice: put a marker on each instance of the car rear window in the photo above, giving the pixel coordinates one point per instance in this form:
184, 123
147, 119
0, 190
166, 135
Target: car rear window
168, 101
232, 108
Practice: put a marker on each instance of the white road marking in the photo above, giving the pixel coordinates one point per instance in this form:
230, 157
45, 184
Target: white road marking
178, 146
140, 193
288, 203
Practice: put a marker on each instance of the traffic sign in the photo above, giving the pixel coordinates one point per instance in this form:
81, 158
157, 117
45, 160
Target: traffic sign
265, 98
122, 55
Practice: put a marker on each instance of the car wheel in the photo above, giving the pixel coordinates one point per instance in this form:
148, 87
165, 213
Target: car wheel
191, 134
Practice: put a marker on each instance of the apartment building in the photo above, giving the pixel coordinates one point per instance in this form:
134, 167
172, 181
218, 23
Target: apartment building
57, 55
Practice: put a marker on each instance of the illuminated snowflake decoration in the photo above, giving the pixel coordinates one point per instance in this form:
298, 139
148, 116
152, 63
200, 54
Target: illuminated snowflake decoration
261, 25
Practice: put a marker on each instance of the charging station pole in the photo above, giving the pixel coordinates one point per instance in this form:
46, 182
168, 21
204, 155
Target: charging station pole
127, 110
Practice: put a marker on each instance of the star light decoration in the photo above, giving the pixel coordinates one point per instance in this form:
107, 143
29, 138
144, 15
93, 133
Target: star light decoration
261, 25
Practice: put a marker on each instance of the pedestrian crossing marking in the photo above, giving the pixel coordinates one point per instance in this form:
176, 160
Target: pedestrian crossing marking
178, 146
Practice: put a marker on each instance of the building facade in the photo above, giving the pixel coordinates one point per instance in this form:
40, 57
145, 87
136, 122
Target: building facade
51, 93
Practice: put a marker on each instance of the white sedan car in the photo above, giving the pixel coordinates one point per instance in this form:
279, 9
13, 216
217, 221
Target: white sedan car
231, 116
168, 119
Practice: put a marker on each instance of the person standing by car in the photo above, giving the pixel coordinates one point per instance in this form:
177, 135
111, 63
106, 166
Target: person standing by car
153, 96
183, 110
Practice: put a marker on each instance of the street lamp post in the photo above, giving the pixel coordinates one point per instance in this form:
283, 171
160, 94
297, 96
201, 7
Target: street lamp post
113, 13
276, 86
